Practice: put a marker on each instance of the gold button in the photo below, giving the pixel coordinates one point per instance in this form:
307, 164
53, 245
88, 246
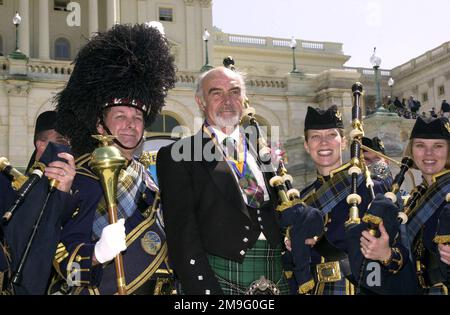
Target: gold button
77, 258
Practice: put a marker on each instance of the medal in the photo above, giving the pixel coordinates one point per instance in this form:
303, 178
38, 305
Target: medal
243, 182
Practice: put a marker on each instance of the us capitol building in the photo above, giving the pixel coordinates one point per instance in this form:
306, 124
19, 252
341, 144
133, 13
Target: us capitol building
51, 32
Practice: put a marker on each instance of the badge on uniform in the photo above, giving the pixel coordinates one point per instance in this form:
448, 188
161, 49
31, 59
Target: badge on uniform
447, 126
243, 182
151, 243
380, 144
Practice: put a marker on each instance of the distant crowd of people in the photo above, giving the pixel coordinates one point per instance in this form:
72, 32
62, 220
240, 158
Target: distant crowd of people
411, 109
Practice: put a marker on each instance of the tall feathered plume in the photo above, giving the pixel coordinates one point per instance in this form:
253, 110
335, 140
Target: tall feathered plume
127, 62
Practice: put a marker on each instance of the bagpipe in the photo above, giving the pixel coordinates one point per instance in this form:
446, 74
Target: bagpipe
32, 223
300, 220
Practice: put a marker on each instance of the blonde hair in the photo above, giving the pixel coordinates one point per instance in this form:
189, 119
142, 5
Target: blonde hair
408, 152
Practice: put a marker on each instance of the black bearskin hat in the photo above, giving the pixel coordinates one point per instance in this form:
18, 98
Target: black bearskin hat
129, 65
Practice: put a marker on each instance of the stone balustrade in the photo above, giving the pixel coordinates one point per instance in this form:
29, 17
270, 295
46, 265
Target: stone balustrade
52, 69
3, 65
226, 39
266, 82
368, 72
188, 79
422, 60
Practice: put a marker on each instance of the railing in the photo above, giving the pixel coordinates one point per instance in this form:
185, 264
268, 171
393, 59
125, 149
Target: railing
3, 65
52, 69
186, 79
422, 60
266, 82
368, 71
275, 43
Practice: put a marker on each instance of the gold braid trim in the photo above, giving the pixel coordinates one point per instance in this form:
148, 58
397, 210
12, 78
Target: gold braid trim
306, 287
435, 177
399, 261
148, 272
339, 169
441, 239
370, 218
72, 258
60, 254
80, 169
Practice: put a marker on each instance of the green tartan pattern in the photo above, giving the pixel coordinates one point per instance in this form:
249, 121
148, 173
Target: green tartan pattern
261, 260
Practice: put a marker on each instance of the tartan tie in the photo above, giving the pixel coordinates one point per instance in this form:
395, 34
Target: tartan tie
247, 181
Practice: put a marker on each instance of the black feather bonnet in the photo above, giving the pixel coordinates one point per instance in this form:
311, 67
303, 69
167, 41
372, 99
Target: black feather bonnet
129, 65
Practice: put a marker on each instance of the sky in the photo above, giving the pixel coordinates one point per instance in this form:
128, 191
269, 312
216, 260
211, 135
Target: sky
400, 29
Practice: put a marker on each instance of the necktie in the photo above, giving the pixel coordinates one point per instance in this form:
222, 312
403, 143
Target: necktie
246, 179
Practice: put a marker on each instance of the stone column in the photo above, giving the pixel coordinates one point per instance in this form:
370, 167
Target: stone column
93, 16
111, 13
192, 58
18, 136
44, 30
206, 20
24, 27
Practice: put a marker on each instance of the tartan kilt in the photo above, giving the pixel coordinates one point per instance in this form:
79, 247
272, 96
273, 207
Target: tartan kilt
261, 260
341, 287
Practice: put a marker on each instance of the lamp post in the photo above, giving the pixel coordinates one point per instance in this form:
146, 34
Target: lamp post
17, 54
16, 20
293, 45
391, 84
375, 60
206, 66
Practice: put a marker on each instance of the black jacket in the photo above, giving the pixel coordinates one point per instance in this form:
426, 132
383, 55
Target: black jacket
204, 213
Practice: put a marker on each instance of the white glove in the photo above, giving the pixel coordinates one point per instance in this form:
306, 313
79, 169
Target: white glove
111, 243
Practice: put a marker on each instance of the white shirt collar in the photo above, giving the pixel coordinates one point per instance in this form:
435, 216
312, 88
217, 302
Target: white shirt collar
221, 136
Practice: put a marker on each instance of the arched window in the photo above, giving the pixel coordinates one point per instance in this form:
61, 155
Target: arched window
62, 49
163, 125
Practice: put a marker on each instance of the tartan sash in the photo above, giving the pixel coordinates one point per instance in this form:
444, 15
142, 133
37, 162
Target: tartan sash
332, 192
432, 200
132, 184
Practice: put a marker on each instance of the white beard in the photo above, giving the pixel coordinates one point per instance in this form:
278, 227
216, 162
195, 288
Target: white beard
230, 122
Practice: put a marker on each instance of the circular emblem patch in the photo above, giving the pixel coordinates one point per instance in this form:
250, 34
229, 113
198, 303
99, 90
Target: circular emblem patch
151, 242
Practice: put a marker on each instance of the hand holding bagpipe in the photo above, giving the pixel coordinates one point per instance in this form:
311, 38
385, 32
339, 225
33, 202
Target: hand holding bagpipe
263, 151
442, 237
374, 216
60, 172
303, 221
16, 177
